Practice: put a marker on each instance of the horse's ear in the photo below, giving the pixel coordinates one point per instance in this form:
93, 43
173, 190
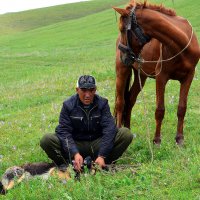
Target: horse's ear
121, 11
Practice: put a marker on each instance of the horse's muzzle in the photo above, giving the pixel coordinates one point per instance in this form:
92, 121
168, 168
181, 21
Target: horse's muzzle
127, 56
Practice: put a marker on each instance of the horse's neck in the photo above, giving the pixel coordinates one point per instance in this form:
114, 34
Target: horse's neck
163, 28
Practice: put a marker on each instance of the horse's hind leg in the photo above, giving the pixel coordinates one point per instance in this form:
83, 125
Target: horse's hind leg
161, 81
182, 106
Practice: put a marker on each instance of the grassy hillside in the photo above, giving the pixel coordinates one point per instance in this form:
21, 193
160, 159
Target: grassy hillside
39, 68
27, 20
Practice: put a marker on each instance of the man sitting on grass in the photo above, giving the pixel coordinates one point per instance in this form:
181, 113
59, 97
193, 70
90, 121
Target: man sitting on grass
86, 128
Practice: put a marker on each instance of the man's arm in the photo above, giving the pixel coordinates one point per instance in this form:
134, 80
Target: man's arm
109, 131
64, 132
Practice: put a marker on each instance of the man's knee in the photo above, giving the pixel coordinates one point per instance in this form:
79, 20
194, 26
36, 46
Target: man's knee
46, 140
125, 135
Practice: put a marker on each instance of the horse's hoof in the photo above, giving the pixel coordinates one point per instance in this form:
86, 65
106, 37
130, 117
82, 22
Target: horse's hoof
179, 140
157, 142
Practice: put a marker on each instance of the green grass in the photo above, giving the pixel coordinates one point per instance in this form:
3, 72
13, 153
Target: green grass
39, 68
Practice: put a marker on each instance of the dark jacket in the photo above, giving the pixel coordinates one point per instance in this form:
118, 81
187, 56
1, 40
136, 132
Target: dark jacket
77, 124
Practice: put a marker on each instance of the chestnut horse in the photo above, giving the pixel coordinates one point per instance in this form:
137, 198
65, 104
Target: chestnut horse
155, 42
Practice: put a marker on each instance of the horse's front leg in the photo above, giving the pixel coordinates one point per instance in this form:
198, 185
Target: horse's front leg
119, 102
185, 86
161, 81
133, 93
122, 74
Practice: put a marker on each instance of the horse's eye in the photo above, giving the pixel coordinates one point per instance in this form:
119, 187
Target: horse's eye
125, 21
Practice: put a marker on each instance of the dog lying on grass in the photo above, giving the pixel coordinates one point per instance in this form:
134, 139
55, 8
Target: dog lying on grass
16, 174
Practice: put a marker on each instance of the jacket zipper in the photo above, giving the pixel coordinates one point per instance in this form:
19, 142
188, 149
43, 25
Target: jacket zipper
87, 115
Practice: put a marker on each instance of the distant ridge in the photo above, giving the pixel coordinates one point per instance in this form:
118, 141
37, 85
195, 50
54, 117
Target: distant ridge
27, 20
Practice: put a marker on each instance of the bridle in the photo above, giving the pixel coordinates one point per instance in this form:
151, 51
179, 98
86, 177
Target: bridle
132, 28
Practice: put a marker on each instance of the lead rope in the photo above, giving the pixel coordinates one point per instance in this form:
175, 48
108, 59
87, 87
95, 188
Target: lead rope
169, 59
145, 109
158, 61
145, 113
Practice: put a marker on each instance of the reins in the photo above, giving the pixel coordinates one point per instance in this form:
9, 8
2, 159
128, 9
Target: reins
158, 61
169, 59
140, 60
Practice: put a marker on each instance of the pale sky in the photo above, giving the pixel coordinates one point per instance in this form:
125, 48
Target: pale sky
20, 5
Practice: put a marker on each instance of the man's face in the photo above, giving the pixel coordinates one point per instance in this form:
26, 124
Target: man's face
86, 95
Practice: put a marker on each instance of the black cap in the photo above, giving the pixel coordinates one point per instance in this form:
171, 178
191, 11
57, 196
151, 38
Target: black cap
86, 81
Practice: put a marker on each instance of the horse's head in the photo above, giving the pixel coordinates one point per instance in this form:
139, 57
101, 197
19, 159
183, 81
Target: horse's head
132, 37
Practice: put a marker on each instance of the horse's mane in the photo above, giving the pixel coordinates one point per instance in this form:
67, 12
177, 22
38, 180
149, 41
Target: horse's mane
159, 8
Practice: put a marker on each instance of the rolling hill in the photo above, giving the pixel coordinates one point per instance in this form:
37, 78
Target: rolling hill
31, 19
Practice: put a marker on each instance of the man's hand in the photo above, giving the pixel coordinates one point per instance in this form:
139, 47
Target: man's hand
78, 162
100, 161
